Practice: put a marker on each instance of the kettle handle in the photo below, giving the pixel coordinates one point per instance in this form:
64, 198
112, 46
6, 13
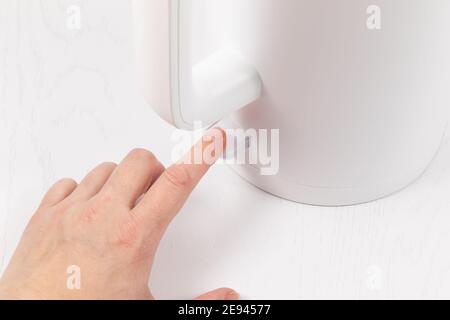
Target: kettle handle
182, 93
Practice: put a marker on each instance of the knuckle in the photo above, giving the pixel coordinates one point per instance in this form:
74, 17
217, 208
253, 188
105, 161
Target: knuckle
143, 155
178, 176
96, 207
147, 160
66, 182
108, 165
127, 234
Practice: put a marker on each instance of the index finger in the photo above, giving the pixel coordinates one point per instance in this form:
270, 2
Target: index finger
169, 193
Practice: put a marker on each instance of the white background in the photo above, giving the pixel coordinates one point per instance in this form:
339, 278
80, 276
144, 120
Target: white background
70, 99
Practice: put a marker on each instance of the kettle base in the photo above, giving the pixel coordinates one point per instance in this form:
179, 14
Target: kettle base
326, 197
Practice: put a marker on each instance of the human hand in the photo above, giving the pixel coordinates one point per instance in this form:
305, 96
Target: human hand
107, 228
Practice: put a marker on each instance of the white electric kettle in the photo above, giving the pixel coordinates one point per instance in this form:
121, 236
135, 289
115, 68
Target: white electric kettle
359, 89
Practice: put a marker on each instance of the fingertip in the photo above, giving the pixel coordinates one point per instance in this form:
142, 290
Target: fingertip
222, 135
208, 150
220, 294
217, 138
232, 295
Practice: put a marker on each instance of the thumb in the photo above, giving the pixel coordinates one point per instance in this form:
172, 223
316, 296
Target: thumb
220, 294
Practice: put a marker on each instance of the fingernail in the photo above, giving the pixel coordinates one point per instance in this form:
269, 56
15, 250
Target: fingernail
217, 137
232, 295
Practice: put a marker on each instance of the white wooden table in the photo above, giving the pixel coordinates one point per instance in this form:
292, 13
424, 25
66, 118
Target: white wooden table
69, 99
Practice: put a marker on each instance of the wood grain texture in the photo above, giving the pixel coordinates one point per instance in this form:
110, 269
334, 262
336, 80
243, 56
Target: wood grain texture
70, 99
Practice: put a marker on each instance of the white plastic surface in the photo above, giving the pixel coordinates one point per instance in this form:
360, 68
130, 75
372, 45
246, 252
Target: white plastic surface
361, 112
183, 92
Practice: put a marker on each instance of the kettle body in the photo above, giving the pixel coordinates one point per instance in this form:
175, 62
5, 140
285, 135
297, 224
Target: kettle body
359, 90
